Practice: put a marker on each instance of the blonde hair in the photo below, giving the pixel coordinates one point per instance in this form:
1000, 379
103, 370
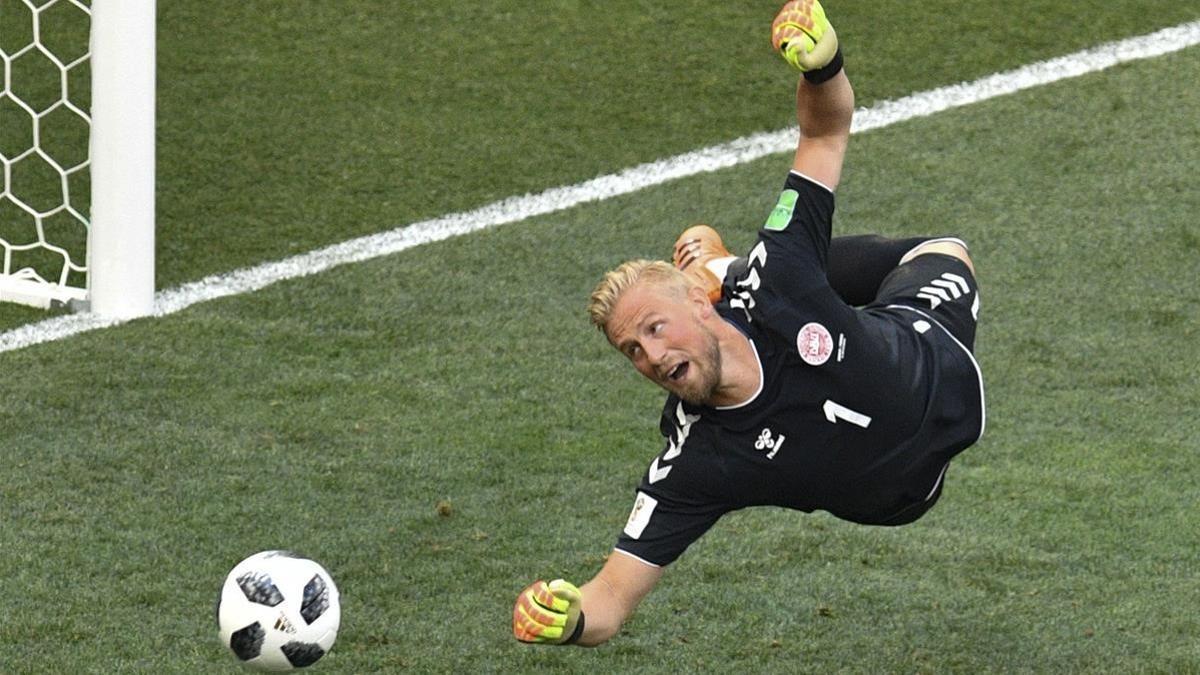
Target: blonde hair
614, 284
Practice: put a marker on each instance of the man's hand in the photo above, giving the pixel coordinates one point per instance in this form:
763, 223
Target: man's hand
802, 35
548, 613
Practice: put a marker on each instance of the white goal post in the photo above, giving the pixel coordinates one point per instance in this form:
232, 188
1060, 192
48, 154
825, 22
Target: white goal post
110, 269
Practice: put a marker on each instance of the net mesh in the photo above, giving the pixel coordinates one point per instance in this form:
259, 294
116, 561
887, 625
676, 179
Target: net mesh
44, 129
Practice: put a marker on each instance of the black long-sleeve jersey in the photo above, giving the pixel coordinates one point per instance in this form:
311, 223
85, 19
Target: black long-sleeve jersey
859, 412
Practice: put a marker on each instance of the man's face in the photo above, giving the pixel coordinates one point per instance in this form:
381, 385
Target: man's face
659, 329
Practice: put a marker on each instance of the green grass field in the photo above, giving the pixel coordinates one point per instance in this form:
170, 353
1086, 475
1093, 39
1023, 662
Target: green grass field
442, 426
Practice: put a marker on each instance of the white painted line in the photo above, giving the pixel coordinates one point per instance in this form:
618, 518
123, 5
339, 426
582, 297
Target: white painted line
1098, 58
520, 208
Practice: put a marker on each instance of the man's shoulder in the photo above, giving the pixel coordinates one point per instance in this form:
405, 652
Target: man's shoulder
693, 440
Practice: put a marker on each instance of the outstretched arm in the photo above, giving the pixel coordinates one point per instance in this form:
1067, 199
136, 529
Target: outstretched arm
824, 112
559, 613
824, 98
613, 594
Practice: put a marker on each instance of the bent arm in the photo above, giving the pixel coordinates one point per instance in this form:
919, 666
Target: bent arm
612, 595
824, 112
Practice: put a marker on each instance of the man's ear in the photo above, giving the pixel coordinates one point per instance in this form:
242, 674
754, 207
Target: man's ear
699, 298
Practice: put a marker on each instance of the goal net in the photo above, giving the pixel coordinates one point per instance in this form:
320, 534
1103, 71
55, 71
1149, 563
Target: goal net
67, 153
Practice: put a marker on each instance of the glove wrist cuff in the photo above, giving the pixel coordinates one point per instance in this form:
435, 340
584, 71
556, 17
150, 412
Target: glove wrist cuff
828, 71
577, 633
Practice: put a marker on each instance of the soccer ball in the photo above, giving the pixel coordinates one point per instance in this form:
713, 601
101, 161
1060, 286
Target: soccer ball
278, 611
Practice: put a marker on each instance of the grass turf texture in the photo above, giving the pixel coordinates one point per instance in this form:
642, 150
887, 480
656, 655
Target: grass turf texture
333, 415
285, 126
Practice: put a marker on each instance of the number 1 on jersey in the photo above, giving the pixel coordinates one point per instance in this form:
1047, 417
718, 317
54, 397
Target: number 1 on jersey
836, 411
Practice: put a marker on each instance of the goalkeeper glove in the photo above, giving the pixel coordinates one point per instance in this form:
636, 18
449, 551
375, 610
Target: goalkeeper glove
548, 613
804, 38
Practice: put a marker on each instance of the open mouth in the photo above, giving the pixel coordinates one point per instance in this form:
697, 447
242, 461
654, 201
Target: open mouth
678, 372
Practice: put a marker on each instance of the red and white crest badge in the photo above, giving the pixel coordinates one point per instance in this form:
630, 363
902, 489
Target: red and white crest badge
814, 343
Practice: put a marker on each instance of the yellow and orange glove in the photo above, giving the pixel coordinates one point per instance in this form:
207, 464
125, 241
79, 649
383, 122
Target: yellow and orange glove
804, 38
548, 613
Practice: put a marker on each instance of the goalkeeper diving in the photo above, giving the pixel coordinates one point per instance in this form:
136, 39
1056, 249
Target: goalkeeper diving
813, 373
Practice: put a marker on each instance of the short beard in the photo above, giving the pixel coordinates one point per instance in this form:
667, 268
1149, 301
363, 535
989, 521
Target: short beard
706, 387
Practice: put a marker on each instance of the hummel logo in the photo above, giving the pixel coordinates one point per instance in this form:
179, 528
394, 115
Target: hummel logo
944, 289
744, 295
683, 426
657, 474
765, 442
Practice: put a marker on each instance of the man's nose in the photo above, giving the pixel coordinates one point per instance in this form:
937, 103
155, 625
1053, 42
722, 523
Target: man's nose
655, 353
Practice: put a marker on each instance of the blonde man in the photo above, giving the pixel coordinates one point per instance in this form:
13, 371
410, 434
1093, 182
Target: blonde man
811, 374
